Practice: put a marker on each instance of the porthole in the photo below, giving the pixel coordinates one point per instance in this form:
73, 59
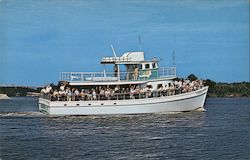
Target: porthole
65, 104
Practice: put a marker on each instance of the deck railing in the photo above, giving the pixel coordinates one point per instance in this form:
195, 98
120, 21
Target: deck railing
115, 96
115, 59
166, 72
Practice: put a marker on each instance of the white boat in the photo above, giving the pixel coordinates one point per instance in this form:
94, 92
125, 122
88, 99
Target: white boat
4, 96
151, 90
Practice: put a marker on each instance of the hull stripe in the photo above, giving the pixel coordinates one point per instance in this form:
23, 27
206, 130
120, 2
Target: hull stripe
92, 106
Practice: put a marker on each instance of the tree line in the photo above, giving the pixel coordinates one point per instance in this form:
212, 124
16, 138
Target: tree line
13, 91
220, 89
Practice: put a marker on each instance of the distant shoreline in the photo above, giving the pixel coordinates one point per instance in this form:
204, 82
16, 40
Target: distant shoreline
224, 90
227, 96
241, 89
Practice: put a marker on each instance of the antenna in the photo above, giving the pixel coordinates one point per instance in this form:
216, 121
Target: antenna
104, 71
139, 36
113, 50
173, 58
118, 67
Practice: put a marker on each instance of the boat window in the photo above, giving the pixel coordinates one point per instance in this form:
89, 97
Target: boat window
146, 66
140, 66
154, 65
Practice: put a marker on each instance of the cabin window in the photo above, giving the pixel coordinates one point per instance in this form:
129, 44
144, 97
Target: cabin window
146, 66
154, 65
140, 66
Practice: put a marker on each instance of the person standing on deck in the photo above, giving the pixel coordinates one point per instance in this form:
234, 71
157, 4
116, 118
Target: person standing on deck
136, 73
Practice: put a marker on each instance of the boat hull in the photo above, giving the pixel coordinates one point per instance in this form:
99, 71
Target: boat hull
167, 104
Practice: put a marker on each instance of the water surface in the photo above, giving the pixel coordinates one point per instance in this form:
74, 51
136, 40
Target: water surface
222, 132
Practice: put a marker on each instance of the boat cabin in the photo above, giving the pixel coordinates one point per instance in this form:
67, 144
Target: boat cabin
137, 70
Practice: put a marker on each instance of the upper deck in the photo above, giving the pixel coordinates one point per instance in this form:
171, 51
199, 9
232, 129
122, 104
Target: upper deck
138, 70
104, 77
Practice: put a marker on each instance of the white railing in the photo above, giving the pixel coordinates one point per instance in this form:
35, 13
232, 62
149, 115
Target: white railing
166, 72
115, 96
116, 59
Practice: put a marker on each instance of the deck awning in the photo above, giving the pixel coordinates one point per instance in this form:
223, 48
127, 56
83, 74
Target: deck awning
126, 58
105, 83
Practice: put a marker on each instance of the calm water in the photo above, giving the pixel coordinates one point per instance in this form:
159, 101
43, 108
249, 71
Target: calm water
223, 132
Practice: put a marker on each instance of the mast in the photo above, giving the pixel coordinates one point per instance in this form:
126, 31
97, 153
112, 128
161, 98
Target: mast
113, 50
139, 36
118, 67
173, 58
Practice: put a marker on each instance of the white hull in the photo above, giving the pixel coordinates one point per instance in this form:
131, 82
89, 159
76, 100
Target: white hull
176, 103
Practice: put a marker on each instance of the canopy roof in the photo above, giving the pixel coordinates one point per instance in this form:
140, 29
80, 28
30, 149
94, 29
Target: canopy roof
126, 58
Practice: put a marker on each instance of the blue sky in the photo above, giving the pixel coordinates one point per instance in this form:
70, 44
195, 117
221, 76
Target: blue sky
41, 38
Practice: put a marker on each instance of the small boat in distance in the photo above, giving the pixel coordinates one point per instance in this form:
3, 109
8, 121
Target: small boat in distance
143, 87
4, 96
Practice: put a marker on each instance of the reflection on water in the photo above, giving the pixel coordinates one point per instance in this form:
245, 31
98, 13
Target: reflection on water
29, 134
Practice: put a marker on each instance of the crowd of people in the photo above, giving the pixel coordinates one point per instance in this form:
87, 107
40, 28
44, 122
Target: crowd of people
65, 93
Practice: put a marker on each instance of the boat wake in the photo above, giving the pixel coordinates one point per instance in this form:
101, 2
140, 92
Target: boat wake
22, 114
